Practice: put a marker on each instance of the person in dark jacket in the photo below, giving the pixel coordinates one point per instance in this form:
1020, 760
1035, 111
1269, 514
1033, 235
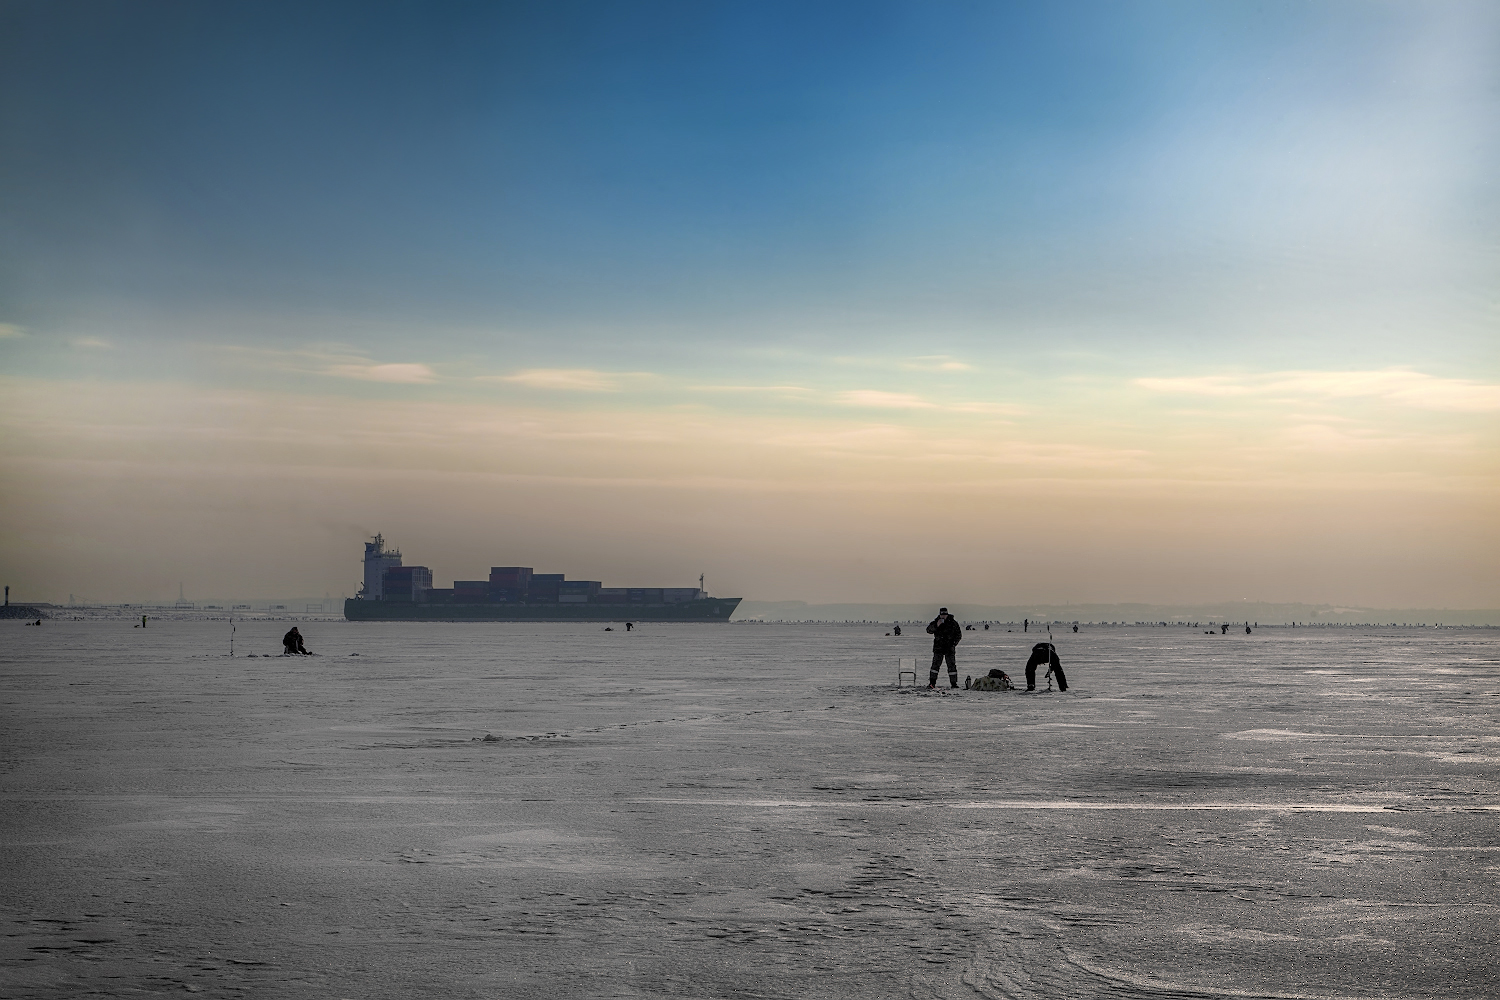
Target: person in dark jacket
1044, 654
946, 635
291, 643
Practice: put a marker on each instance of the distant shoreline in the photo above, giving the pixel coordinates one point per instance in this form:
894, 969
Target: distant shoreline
1264, 612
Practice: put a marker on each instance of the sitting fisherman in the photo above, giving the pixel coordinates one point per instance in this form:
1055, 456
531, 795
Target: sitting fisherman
1045, 654
292, 643
995, 680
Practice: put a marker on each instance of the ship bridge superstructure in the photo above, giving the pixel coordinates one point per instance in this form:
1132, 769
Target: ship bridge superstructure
377, 560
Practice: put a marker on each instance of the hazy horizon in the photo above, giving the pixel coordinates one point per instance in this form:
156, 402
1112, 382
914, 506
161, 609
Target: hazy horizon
1145, 302
762, 610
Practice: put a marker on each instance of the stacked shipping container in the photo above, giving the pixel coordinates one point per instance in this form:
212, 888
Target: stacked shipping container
406, 583
520, 585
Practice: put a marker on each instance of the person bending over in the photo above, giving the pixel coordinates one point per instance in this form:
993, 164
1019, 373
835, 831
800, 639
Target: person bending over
946, 635
292, 644
1044, 654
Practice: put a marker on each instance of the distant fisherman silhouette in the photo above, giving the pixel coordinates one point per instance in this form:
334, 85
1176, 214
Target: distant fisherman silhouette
292, 644
946, 635
1044, 654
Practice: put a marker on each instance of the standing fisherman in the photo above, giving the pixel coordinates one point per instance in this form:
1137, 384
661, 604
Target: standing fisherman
946, 635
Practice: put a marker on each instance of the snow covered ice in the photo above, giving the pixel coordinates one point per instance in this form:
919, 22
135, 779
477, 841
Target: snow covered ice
746, 810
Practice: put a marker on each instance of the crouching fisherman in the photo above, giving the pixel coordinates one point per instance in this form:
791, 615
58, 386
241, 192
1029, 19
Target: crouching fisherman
1044, 654
292, 644
995, 680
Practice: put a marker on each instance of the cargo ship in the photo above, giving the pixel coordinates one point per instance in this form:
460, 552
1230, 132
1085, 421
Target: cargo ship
393, 592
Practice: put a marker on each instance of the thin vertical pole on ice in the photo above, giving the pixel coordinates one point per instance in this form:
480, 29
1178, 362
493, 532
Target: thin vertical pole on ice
1052, 651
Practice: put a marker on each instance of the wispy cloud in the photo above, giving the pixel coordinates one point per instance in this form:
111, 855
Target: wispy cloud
1393, 385
996, 409
92, 343
749, 388
880, 439
936, 363
9, 330
1380, 445
914, 363
409, 373
879, 399
567, 379
337, 360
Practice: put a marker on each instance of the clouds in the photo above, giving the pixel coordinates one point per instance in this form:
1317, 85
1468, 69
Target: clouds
662, 390
1399, 387
936, 363
778, 390
322, 361
822, 485
567, 379
1097, 431
880, 399
405, 374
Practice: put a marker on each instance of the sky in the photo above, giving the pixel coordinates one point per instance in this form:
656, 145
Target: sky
964, 303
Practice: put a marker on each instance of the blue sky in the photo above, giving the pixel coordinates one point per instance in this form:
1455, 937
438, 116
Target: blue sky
967, 172
949, 221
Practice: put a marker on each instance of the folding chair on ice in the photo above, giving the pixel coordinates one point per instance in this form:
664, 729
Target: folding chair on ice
906, 666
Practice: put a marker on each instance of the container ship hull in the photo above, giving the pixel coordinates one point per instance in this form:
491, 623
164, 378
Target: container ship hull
707, 609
